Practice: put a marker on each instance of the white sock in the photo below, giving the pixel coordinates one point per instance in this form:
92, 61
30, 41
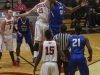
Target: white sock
18, 57
35, 53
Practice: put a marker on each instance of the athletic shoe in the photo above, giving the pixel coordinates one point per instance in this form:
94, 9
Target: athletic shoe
15, 63
18, 60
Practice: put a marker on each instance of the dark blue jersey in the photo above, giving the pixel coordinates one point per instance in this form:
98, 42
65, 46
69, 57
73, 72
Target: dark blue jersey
57, 14
77, 43
24, 28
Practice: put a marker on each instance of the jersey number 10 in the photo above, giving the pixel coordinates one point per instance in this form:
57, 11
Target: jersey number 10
50, 50
76, 42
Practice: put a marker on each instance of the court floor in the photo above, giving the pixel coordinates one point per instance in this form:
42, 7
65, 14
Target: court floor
24, 67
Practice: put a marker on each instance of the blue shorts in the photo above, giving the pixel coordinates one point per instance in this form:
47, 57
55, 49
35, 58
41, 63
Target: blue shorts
55, 29
28, 38
78, 60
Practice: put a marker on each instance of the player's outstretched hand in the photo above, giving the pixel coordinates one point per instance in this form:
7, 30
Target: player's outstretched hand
89, 58
64, 59
84, 3
19, 34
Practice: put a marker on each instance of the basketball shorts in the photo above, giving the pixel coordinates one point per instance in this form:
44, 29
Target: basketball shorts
40, 29
28, 38
55, 29
78, 60
1, 44
49, 68
9, 42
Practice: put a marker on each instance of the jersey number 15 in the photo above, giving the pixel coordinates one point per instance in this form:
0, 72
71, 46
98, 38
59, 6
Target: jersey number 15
50, 50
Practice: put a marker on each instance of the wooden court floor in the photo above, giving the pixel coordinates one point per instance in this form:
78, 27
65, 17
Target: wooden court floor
24, 67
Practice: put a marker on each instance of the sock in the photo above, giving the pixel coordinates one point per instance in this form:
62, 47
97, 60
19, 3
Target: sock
18, 57
12, 56
36, 47
31, 47
35, 53
0, 55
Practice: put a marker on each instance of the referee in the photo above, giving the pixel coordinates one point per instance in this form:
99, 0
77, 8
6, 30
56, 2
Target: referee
62, 39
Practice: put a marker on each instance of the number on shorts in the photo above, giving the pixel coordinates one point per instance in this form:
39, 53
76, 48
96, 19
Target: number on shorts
76, 42
51, 52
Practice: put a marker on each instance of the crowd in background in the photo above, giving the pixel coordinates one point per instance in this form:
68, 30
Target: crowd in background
18, 6
92, 15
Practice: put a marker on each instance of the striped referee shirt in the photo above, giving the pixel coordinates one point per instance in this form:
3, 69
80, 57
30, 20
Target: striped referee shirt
62, 39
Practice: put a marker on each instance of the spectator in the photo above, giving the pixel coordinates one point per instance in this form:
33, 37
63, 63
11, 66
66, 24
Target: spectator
79, 13
96, 12
19, 5
7, 5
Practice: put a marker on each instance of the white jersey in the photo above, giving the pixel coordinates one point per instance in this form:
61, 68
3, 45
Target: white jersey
9, 26
49, 52
43, 10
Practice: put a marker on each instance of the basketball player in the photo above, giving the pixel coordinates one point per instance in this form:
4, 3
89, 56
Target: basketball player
7, 29
77, 43
48, 50
42, 22
25, 29
57, 14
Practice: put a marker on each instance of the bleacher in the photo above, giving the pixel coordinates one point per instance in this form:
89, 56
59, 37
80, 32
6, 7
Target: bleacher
68, 3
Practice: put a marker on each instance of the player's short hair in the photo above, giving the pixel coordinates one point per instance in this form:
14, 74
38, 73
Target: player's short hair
63, 28
8, 10
22, 11
78, 28
48, 34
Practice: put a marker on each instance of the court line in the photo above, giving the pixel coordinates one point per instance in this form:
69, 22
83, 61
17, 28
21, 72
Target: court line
94, 62
3, 68
97, 47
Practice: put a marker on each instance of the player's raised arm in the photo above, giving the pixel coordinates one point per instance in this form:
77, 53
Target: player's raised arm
38, 57
89, 49
63, 57
3, 28
32, 30
71, 10
33, 10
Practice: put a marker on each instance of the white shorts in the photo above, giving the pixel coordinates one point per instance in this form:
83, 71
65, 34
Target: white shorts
40, 29
49, 68
1, 44
9, 42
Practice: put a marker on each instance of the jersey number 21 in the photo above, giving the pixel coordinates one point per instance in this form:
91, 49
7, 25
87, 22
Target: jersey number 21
76, 42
